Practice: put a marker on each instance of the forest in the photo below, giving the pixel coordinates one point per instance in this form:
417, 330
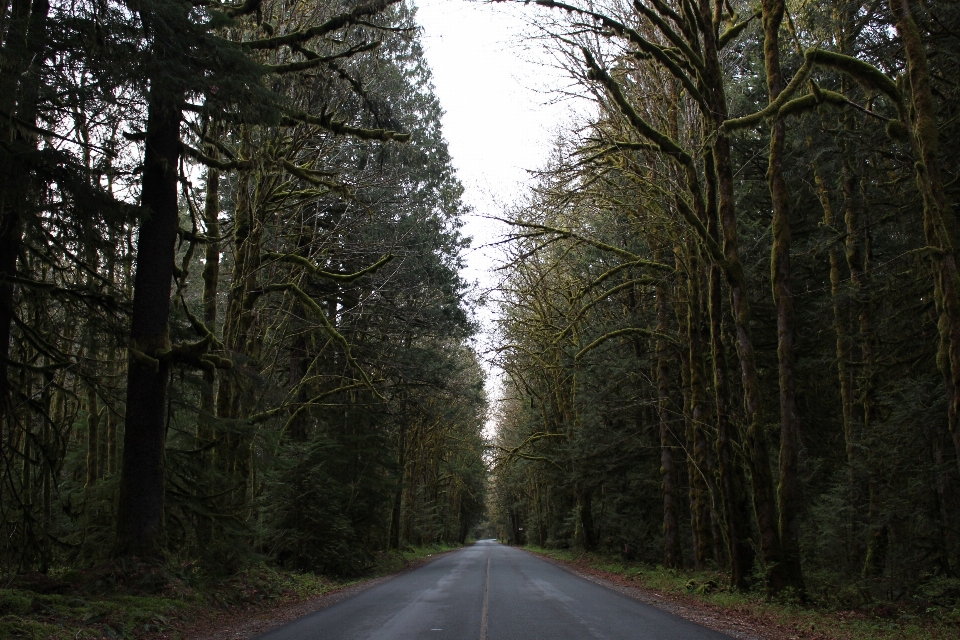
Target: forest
235, 329
730, 304
231, 313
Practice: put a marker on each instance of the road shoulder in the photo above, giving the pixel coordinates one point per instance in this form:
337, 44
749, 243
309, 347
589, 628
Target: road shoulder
734, 624
241, 626
701, 598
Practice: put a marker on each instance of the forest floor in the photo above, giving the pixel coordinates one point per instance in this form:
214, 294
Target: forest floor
700, 597
115, 601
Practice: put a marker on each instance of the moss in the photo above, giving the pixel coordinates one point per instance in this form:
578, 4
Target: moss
867, 75
42, 616
898, 132
14, 627
14, 602
109, 603
734, 30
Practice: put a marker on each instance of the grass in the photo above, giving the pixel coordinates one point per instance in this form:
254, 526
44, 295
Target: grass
393, 561
787, 617
141, 602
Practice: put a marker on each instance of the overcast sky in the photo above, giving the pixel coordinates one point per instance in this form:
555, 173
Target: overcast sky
498, 95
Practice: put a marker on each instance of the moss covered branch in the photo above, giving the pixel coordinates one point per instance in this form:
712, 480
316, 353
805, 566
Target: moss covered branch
313, 269
655, 51
340, 127
603, 246
318, 313
221, 165
353, 16
867, 75
735, 30
621, 332
313, 61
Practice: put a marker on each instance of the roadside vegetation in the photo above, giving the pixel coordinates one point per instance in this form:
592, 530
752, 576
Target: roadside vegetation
127, 600
931, 615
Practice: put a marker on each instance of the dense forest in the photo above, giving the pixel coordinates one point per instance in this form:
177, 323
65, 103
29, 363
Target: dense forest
231, 315
233, 325
730, 307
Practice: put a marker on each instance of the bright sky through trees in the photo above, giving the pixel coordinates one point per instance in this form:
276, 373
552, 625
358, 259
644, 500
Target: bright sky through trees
498, 95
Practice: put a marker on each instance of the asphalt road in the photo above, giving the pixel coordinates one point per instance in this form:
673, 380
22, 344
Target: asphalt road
489, 592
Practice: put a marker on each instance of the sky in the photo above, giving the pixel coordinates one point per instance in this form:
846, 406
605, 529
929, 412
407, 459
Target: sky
501, 115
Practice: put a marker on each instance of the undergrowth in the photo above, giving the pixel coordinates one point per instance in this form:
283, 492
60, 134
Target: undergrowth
138, 602
818, 618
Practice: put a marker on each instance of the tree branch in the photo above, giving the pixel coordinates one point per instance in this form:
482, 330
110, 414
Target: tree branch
337, 22
315, 60
327, 122
313, 269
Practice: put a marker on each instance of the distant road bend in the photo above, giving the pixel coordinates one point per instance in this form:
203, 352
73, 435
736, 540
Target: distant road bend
490, 592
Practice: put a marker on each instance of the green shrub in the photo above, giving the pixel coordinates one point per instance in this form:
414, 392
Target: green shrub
13, 602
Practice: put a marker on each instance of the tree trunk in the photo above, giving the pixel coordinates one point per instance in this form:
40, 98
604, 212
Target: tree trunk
939, 221
736, 516
672, 551
299, 355
719, 195
736, 508
238, 341
140, 509
944, 501
698, 468
211, 280
25, 44
93, 437
585, 512
841, 327
758, 461
788, 497
396, 512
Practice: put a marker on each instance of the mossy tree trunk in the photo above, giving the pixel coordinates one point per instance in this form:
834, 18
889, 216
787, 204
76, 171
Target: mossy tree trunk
206, 433
697, 466
844, 342
939, 220
788, 491
672, 549
755, 443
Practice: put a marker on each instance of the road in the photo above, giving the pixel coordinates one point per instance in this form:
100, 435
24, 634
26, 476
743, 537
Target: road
490, 592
